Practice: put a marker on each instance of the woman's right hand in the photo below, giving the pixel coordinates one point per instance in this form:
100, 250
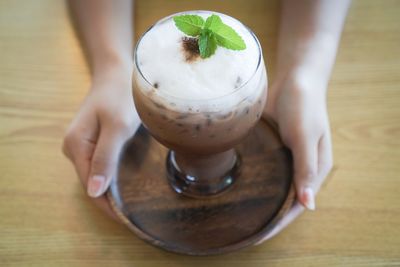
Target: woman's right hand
105, 121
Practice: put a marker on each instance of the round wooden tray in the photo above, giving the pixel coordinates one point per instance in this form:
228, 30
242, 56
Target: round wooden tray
144, 200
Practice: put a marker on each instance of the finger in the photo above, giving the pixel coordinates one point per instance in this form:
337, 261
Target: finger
104, 162
81, 155
79, 148
80, 138
81, 162
82, 167
294, 212
305, 157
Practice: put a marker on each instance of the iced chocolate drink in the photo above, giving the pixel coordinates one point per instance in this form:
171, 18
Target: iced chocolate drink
199, 108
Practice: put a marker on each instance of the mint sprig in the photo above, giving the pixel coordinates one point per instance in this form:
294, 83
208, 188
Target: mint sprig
210, 33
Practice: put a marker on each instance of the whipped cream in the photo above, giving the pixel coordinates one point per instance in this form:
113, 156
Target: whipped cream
162, 61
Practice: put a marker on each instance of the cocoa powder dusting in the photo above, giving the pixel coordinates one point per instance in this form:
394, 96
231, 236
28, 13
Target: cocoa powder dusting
190, 48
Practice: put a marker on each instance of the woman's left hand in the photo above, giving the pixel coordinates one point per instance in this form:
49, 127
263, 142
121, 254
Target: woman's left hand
298, 105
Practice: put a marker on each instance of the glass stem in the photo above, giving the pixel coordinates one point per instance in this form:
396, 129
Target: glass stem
202, 175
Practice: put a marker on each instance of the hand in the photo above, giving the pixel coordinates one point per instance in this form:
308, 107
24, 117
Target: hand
105, 120
298, 105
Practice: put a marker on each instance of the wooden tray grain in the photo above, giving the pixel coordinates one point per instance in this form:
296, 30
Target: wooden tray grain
241, 216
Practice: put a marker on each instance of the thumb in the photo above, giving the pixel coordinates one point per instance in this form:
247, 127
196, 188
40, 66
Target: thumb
305, 171
104, 162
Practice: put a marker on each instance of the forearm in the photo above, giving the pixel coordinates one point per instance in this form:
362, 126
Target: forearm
309, 36
106, 29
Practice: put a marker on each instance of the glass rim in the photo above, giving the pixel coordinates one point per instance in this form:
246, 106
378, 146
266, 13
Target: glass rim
161, 93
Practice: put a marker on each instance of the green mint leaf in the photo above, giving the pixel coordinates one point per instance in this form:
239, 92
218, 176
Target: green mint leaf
213, 22
229, 38
189, 24
207, 44
210, 33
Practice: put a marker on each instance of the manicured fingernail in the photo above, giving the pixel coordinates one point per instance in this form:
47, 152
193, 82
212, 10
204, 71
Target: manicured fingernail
95, 185
308, 198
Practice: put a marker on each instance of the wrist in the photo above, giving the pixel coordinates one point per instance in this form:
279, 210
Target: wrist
117, 69
312, 55
302, 82
302, 77
110, 61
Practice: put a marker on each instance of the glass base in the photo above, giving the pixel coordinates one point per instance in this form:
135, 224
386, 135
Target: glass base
200, 187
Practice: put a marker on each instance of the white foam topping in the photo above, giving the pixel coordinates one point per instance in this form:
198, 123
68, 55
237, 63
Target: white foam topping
162, 61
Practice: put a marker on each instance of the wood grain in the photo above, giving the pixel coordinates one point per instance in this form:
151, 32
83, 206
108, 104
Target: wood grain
46, 219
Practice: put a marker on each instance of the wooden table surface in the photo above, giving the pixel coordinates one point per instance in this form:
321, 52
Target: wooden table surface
47, 220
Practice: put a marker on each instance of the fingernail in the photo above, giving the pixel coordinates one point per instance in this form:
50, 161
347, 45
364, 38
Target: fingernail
95, 185
308, 198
